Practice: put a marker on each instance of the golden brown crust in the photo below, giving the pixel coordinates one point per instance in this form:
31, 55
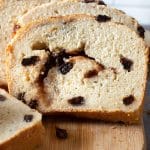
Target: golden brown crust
28, 139
117, 116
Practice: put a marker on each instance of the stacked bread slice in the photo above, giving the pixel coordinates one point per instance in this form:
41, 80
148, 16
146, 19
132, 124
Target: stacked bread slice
20, 126
80, 7
87, 66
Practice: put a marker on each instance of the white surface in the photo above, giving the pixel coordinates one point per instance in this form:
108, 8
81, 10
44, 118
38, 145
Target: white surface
141, 14
139, 9
110, 2
139, 3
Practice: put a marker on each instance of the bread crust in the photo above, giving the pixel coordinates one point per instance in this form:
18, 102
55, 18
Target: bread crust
127, 118
27, 139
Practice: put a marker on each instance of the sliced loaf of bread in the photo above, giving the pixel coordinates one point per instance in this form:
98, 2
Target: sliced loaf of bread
82, 65
88, 7
20, 126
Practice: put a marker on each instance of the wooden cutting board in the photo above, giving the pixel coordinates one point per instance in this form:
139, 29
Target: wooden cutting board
92, 135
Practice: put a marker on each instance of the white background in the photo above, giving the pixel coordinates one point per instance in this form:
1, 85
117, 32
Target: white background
139, 9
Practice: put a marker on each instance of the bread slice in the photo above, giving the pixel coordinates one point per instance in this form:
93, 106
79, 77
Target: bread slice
89, 7
20, 126
10, 10
81, 65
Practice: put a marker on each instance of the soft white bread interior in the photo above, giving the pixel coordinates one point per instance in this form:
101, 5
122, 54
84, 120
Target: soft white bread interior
20, 126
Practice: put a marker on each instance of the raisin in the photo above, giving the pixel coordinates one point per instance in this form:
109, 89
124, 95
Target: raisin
30, 61
77, 101
101, 3
127, 63
91, 73
16, 27
103, 18
60, 57
57, 60
94, 72
54, 59
33, 104
141, 31
28, 118
21, 97
128, 100
89, 1
61, 133
2, 98
66, 67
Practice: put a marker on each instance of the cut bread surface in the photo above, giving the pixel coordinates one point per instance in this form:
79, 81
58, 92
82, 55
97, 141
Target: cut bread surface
80, 7
78, 64
18, 122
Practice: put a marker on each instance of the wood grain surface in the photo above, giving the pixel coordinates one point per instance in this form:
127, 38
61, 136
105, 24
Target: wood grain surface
92, 135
